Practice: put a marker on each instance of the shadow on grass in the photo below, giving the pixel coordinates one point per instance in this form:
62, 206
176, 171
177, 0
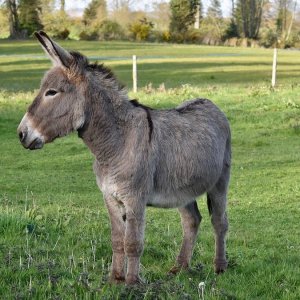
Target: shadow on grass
171, 73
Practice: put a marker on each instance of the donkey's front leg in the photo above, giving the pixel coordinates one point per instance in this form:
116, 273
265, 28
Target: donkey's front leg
116, 215
134, 239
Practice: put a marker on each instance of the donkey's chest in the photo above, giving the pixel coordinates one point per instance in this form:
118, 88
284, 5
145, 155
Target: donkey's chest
108, 187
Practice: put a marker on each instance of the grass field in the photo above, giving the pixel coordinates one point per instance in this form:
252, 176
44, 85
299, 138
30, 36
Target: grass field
54, 228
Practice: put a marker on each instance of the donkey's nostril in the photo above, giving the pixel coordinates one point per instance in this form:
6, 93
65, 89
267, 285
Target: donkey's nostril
22, 136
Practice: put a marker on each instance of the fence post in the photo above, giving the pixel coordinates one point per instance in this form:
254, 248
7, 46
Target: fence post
134, 73
274, 68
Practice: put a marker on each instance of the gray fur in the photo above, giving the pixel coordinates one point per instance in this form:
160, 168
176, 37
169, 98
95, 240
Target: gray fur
162, 158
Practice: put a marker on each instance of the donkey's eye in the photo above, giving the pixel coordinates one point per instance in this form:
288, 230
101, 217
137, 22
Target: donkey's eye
51, 92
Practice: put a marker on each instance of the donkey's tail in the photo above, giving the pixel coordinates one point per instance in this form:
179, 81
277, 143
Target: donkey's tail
209, 204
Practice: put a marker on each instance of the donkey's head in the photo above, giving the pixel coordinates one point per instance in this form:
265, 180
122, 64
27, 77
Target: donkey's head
58, 109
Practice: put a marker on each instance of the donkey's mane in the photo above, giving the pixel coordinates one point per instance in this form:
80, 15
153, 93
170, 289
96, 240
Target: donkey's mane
82, 63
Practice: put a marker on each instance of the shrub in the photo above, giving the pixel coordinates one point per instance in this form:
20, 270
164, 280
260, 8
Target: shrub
194, 36
177, 37
231, 31
63, 34
88, 35
268, 38
57, 24
292, 40
141, 30
110, 30
166, 36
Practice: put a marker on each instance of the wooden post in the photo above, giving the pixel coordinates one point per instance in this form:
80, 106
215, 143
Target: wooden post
274, 68
134, 73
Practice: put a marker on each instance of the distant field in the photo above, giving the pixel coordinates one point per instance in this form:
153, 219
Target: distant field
54, 228
22, 63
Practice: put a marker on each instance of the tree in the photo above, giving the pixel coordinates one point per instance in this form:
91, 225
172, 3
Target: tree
122, 14
62, 5
141, 29
286, 10
118, 4
214, 10
161, 15
47, 6
249, 16
13, 19
281, 19
232, 28
95, 13
182, 15
29, 18
215, 20
29, 15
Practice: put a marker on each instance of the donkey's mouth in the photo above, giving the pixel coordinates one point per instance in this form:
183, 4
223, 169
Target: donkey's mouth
37, 143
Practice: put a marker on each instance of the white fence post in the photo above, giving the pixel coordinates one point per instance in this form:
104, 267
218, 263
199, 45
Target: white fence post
134, 73
274, 68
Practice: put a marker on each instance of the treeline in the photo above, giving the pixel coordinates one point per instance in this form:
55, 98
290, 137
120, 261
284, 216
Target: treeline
251, 22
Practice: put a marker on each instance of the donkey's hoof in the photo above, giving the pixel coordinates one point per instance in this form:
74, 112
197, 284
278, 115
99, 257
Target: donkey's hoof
220, 266
132, 280
174, 270
177, 268
116, 278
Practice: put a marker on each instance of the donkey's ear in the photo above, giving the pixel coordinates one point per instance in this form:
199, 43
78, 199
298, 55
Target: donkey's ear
57, 54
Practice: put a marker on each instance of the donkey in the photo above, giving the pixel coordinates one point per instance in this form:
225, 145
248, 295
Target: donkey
143, 157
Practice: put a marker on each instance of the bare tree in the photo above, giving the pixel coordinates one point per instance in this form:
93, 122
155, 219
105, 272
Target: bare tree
118, 4
13, 19
62, 5
160, 15
249, 16
291, 22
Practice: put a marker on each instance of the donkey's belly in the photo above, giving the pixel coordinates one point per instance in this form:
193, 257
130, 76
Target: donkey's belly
171, 200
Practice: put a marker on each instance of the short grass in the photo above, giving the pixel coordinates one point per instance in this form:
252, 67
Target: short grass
54, 228
172, 65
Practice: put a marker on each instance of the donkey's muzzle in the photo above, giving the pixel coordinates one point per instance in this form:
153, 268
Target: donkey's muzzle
27, 143
30, 138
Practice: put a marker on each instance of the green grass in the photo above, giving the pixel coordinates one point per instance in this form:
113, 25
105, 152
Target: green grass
157, 63
54, 228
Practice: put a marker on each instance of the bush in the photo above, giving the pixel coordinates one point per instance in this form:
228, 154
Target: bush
57, 24
177, 37
63, 34
190, 36
268, 38
141, 30
292, 41
110, 30
166, 36
231, 31
194, 36
159, 36
88, 35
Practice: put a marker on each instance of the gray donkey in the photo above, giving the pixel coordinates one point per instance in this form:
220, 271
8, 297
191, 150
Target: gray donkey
143, 157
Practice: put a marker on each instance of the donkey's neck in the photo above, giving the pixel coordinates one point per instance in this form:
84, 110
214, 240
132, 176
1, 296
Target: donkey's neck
107, 112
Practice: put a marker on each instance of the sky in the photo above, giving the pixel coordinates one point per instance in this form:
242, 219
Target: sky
142, 4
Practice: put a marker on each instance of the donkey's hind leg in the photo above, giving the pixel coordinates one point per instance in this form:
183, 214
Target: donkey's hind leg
217, 201
190, 221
